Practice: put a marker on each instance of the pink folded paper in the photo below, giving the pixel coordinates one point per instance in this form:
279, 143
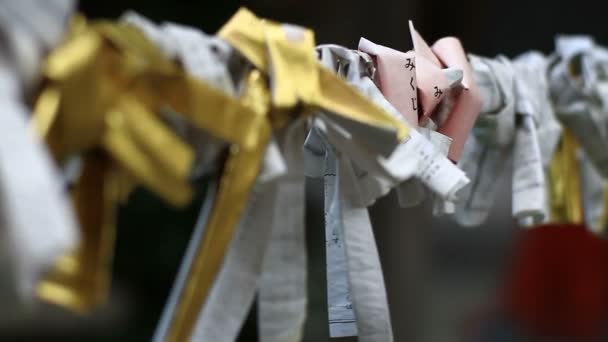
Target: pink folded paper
432, 82
396, 77
447, 52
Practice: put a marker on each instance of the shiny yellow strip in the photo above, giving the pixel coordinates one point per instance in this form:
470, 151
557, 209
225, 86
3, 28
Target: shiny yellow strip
86, 95
46, 109
161, 143
238, 177
206, 107
73, 55
80, 280
237, 180
246, 33
295, 72
151, 166
564, 182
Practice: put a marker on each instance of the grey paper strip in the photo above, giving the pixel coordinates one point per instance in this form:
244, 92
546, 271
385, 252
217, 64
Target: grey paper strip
342, 321
532, 151
483, 164
321, 162
529, 201
368, 291
282, 293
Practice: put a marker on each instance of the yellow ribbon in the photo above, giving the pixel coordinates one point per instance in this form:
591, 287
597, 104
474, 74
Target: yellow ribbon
238, 177
565, 197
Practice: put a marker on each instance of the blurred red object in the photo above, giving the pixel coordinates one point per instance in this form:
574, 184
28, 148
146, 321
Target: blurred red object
558, 283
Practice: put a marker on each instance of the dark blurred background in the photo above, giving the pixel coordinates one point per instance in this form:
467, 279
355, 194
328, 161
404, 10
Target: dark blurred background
443, 280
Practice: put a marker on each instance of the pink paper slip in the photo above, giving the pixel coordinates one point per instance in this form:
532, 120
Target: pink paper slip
396, 77
447, 52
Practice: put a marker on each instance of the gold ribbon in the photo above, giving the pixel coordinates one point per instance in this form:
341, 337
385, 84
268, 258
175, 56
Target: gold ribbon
104, 88
238, 177
565, 197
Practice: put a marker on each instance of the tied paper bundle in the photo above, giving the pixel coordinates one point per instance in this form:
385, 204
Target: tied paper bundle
362, 146
517, 123
579, 90
37, 225
108, 86
266, 248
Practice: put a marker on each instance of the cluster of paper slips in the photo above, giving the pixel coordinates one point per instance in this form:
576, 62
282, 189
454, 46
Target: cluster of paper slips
93, 109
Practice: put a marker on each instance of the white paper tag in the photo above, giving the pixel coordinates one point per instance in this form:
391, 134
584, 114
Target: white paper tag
433, 169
